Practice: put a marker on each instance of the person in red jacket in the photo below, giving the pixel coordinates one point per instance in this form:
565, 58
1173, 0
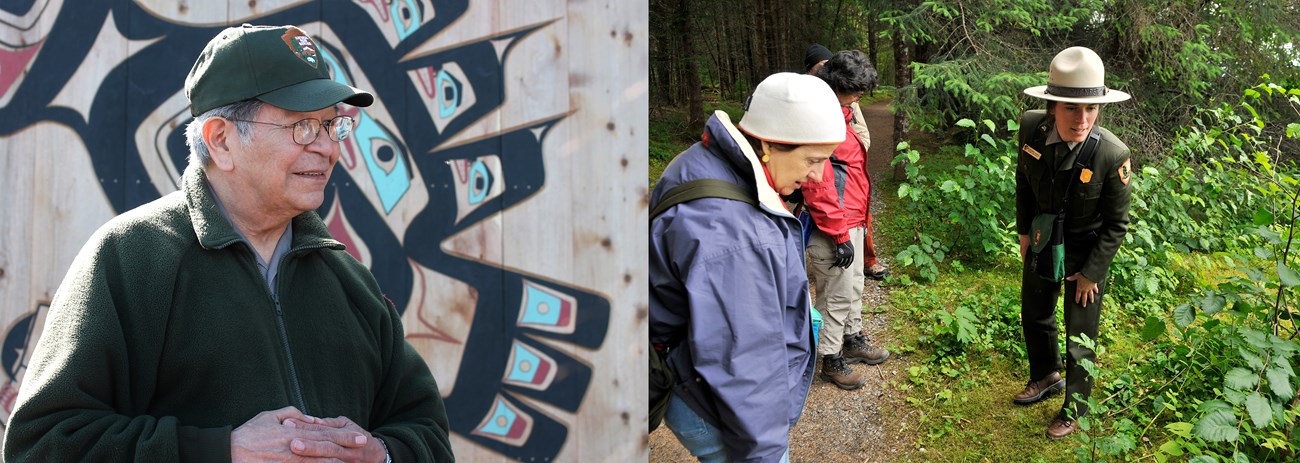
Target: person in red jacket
813, 60
838, 205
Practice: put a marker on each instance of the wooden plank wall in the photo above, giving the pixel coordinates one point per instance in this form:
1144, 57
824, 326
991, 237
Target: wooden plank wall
498, 181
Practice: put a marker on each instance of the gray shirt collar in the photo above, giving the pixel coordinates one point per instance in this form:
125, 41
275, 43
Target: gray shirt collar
1055, 137
269, 269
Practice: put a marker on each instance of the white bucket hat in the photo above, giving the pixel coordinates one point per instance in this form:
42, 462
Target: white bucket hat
1077, 76
794, 109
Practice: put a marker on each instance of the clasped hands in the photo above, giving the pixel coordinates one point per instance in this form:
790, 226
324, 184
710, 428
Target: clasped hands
289, 435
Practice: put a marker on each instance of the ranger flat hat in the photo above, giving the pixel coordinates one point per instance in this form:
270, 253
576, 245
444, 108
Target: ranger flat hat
1077, 75
280, 65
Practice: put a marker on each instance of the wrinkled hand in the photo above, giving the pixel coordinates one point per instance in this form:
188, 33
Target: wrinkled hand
266, 438
1084, 289
363, 451
843, 255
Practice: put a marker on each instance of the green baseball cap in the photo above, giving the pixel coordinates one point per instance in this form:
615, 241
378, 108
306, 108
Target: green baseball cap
280, 65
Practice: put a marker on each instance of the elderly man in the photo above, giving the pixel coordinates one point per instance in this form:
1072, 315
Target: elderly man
218, 322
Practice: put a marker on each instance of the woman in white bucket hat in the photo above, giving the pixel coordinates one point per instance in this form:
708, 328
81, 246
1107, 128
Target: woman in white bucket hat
729, 307
1087, 198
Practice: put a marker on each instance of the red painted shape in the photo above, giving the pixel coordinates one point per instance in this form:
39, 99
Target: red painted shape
543, 367
340, 231
428, 81
566, 314
379, 7
517, 428
13, 63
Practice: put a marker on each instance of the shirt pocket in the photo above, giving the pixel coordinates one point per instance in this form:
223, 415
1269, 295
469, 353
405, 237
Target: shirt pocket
1083, 200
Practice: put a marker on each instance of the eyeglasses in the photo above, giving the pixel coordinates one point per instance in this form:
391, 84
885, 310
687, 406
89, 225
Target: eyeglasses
306, 130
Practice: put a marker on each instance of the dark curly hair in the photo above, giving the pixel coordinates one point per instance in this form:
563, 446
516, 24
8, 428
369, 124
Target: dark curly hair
848, 72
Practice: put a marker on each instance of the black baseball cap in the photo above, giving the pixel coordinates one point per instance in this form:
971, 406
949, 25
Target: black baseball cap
280, 65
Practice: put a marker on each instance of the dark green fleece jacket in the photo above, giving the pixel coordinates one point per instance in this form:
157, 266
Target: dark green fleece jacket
164, 337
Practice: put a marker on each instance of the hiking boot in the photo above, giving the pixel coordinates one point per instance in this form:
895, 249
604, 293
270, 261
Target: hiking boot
835, 371
1039, 390
856, 350
1059, 428
877, 272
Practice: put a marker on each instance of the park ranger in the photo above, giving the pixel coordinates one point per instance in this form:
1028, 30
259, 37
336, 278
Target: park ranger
1072, 177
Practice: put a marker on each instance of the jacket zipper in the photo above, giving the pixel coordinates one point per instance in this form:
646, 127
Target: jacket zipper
284, 330
284, 339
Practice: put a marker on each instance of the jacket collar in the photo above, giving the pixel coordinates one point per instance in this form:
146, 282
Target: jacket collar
768, 198
1065, 151
214, 231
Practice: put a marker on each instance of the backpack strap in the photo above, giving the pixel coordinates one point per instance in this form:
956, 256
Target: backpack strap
1082, 161
702, 188
1089, 148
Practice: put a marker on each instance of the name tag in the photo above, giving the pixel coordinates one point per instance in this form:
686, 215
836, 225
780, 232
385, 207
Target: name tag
1033, 152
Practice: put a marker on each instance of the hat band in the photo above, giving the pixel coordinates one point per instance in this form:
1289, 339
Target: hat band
1075, 92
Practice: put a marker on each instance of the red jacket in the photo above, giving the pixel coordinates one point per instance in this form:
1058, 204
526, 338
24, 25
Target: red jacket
847, 171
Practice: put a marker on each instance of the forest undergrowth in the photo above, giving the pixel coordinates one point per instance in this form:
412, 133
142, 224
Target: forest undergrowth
1199, 323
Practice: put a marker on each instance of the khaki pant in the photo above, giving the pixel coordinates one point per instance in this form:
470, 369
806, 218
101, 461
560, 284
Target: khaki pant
839, 290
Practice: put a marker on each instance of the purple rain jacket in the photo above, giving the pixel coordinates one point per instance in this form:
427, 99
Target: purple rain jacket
729, 295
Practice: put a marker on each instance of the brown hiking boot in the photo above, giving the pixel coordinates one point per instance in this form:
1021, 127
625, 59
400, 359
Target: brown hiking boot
856, 350
835, 371
1038, 390
1059, 428
877, 272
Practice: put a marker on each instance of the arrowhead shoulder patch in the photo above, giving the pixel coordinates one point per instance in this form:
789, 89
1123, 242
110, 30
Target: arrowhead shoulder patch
1126, 171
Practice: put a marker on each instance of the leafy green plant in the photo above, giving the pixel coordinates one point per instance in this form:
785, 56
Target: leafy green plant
966, 211
1223, 386
1200, 310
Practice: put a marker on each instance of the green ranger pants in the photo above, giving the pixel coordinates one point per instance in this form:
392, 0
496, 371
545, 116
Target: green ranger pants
1038, 299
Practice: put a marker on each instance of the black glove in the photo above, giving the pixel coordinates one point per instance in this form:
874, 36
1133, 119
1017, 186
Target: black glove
843, 255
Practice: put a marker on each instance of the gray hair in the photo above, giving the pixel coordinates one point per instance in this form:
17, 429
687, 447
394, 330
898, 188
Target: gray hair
238, 111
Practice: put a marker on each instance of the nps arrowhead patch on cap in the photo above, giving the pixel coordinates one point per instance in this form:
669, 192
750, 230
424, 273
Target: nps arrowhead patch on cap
301, 46
250, 61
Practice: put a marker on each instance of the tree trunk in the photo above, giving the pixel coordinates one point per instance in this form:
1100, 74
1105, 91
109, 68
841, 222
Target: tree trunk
660, 70
872, 24
695, 109
835, 22
729, 74
902, 79
751, 50
761, 34
719, 56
